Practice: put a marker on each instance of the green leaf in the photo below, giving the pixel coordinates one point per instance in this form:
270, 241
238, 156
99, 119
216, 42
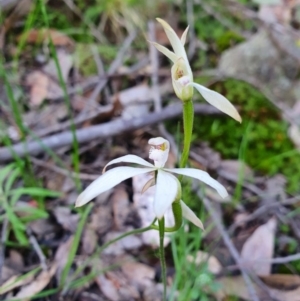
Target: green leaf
33, 191
11, 179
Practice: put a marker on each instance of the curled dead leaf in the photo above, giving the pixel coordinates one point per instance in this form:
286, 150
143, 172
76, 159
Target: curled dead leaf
214, 265
259, 248
36, 285
39, 36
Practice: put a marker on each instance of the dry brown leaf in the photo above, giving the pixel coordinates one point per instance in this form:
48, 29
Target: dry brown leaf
214, 265
38, 83
274, 11
282, 281
259, 248
37, 285
131, 242
294, 134
235, 286
121, 207
65, 61
115, 287
139, 273
41, 227
154, 293
61, 256
135, 101
275, 187
89, 240
108, 288
37, 36
16, 260
66, 218
14, 282
8, 272
101, 219
45, 84
47, 116
240, 218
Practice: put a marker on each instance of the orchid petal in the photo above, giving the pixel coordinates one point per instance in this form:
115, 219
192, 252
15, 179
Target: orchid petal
166, 192
173, 38
171, 55
148, 184
202, 176
182, 70
159, 151
218, 101
183, 37
129, 159
159, 141
108, 180
190, 215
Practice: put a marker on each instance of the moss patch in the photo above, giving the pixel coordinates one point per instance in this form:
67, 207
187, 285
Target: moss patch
269, 149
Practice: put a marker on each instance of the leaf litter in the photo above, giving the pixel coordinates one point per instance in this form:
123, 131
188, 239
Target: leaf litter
125, 271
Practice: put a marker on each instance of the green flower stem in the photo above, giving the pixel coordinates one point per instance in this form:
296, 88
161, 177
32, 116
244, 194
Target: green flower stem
132, 232
161, 225
100, 249
177, 212
188, 120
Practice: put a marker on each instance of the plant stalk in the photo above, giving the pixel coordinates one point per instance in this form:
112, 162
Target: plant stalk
161, 224
188, 120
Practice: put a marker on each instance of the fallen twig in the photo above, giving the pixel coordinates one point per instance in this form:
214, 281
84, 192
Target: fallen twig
229, 245
233, 251
37, 249
109, 129
90, 104
62, 171
2, 245
262, 210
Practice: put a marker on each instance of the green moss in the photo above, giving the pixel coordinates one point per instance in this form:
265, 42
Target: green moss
269, 149
228, 39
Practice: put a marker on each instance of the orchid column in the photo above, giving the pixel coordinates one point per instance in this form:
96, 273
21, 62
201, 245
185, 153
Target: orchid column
182, 80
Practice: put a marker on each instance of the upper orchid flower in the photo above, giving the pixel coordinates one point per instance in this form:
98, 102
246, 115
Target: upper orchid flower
182, 76
167, 186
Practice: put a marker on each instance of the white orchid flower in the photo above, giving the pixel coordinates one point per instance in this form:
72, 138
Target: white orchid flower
167, 185
182, 76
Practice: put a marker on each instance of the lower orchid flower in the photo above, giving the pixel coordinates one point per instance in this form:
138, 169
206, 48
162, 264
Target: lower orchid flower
167, 189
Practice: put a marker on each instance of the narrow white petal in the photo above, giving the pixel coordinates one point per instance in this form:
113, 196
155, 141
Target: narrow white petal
190, 215
107, 181
218, 101
183, 37
202, 176
165, 193
129, 159
173, 38
171, 55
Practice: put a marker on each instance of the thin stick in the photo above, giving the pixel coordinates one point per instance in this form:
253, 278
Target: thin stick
37, 249
192, 37
95, 32
2, 245
99, 132
230, 246
263, 209
65, 172
112, 69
